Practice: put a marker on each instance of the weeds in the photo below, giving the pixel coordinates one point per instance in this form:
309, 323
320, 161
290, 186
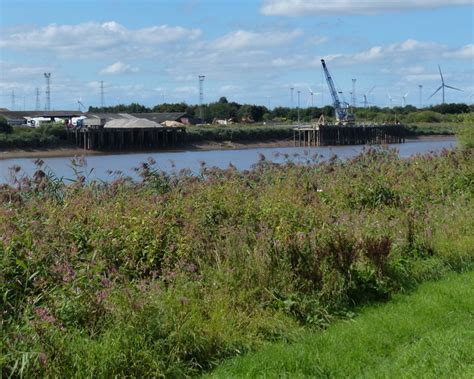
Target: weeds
170, 275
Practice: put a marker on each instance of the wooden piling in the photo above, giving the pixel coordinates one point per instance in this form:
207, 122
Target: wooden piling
324, 135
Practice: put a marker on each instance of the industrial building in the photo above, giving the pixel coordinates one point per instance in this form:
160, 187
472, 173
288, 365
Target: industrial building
105, 131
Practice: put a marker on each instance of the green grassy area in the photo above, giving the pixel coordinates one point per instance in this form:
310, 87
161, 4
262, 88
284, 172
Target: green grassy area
431, 128
240, 132
170, 275
52, 135
427, 334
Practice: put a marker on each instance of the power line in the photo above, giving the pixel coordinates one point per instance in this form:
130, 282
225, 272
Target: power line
102, 93
47, 105
354, 93
37, 99
201, 94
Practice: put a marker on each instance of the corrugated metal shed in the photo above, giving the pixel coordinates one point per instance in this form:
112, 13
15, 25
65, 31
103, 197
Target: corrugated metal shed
160, 117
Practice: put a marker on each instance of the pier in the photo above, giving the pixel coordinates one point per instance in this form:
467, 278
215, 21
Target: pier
324, 135
127, 138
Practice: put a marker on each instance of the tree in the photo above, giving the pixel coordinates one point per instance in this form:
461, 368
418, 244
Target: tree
5, 127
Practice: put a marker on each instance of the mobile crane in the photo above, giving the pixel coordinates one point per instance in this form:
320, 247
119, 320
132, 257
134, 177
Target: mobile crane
341, 109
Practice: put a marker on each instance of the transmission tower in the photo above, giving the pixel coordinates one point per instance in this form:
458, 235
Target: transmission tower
13, 99
420, 86
354, 93
37, 99
47, 105
102, 93
299, 92
201, 94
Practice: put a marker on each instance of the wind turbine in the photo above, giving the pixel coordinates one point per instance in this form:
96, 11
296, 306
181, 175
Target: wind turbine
311, 93
390, 98
404, 99
79, 104
442, 86
366, 97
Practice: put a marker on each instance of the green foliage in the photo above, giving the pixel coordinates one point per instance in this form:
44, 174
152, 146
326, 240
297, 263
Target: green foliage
170, 275
466, 136
4, 126
426, 334
235, 133
49, 135
423, 116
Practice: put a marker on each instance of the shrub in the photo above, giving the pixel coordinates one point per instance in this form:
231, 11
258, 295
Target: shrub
5, 127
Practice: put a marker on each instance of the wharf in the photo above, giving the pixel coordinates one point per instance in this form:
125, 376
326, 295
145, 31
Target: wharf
324, 135
127, 138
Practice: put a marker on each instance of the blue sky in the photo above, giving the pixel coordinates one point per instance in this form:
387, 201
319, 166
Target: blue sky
250, 51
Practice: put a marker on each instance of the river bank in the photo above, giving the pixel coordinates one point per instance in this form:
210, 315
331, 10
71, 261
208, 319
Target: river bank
180, 272
70, 151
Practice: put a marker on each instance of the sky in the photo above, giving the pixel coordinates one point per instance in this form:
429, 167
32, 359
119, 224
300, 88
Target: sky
152, 51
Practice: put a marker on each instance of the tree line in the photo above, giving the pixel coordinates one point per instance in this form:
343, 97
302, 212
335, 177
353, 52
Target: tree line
223, 109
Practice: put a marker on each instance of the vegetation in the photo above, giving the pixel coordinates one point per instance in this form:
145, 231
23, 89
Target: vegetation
239, 133
4, 126
173, 274
50, 135
425, 335
223, 109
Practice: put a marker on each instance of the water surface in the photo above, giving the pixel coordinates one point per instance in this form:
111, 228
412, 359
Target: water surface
100, 166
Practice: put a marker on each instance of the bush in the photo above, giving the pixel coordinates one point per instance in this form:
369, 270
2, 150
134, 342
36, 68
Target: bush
50, 135
5, 127
423, 116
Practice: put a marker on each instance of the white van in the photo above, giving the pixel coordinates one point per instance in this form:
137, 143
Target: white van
36, 122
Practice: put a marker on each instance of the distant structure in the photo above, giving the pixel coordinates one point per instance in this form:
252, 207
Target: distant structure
366, 97
299, 107
201, 95
420, 86
291, 92
354, 93
47, 104
442, 86
102, 93
311, 93
404, 99
37, 107
341, 109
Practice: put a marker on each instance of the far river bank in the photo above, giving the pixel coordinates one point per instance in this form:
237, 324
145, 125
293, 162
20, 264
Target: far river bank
71, 151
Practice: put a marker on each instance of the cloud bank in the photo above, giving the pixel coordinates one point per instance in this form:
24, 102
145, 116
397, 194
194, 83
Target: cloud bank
339, 7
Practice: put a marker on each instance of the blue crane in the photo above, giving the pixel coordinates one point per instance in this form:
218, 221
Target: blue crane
343, 116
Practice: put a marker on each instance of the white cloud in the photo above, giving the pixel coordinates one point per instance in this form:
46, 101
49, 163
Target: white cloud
318, 40
243, 39
398, 52
465, 52
337, 7
94, 39
118, 68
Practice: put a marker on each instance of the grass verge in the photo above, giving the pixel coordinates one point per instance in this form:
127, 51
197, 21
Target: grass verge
422, 335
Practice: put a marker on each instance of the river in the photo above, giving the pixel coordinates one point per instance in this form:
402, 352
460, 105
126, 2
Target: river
101, 166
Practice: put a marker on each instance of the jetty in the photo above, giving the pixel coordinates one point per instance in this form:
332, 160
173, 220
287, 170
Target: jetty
327, 134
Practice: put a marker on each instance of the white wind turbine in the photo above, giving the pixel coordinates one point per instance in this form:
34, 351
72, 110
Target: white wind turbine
404, 99
442, 86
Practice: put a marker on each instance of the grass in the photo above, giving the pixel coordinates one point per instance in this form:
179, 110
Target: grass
427, 334
170, 275
25, 137
235, 133
431, 128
